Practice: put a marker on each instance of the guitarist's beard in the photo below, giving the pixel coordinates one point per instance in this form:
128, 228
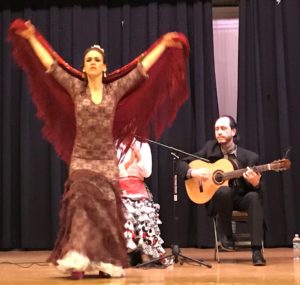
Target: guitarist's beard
227, 145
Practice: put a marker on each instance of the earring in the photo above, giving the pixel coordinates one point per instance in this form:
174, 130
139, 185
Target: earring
104, 73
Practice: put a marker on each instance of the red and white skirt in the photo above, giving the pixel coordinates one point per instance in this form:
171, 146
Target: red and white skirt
142, 214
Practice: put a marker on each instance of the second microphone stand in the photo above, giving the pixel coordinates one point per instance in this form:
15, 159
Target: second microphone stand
176, 252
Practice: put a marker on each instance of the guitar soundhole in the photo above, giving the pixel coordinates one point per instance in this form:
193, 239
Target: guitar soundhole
218, 177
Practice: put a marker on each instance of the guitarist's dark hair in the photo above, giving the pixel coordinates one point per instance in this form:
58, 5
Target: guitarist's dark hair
233, 125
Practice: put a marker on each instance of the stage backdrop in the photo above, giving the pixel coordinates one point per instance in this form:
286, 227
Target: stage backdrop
269, 104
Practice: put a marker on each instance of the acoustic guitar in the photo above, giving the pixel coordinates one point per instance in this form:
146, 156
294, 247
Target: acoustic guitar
220, 173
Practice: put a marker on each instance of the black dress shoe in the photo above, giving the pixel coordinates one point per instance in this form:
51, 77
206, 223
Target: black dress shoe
227, 243
257, 258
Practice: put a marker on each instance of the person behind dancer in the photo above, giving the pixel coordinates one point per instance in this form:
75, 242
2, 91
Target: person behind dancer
243, 194
91, 233
141, 228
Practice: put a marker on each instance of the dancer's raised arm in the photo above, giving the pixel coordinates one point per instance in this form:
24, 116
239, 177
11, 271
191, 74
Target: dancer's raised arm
42, 53
168, 40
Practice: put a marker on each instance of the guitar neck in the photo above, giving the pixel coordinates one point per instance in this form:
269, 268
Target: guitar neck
239, 172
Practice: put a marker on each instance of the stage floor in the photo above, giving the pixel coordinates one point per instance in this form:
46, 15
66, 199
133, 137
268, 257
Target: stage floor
29, 267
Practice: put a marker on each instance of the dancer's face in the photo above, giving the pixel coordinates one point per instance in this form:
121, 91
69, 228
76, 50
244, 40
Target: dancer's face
94, 63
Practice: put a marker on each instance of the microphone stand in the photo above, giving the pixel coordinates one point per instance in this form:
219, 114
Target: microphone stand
176, 252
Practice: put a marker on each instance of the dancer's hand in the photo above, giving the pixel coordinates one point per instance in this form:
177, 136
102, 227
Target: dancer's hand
170, 41
136, 153
28, 32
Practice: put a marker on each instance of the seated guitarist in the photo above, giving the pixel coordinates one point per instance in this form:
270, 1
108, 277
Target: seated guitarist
242, 194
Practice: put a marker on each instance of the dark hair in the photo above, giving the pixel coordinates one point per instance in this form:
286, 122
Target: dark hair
233, 125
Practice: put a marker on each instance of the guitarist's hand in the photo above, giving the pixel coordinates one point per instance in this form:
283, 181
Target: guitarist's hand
200, 173
252, 177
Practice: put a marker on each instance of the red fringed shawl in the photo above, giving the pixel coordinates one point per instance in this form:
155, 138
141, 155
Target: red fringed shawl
143, 112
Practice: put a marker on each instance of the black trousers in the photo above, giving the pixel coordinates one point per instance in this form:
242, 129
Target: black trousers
227, 199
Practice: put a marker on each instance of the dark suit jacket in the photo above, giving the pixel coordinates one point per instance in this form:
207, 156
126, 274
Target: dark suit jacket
212, 152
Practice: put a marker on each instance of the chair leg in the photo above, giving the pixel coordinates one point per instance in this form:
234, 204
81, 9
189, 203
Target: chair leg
216, 255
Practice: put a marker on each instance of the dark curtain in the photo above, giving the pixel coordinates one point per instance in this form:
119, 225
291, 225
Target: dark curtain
32, 176
268, 105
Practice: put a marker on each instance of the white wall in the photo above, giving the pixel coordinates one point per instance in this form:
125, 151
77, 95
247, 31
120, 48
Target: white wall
225, 36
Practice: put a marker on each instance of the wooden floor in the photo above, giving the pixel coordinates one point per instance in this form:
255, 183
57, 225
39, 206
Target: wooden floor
19, 267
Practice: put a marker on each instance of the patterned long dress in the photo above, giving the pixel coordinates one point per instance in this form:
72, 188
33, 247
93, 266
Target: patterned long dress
91, 233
